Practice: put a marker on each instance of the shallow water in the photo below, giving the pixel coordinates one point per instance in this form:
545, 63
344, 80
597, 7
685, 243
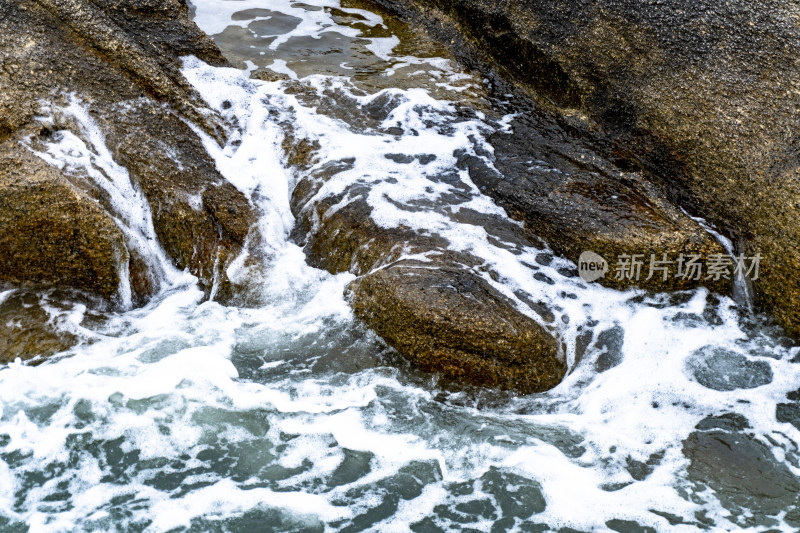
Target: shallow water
679, 412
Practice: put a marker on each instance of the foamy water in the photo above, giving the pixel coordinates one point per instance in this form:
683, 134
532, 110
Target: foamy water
190, 415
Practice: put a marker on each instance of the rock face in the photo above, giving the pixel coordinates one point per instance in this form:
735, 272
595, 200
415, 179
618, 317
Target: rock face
706, 96
439, 313
448, 320
118, 61
27, 330
50, 231
570, 190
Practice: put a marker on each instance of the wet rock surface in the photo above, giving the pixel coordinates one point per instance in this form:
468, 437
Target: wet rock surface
450, 321
741, 470
52, 232
27, 331
429, 302
724, 370
704, 96
439, 312
200, 219
568, 187
120, 62
789, 412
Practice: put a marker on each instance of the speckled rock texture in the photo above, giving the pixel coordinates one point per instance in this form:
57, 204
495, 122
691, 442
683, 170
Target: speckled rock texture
706, 95
120, 61
450, 321
441, 314
568, 187
50, 231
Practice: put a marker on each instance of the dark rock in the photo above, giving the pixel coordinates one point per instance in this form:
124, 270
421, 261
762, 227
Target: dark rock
724, 370
788, 412
610, 342
564, 184
706, 96
742, 471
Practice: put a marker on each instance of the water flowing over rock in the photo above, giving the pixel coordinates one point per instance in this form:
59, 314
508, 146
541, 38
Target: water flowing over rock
101, 81
703, 95
571, 190
439, 312
366, 151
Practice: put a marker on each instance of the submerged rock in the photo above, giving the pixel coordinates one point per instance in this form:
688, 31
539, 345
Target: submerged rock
705, 95
724, 370
742, 471
118, 62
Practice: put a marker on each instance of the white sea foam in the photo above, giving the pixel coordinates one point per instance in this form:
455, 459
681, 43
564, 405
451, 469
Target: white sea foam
84, 150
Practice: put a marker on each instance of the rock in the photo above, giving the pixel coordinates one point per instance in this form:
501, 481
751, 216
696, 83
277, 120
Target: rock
51, 232
724, 370
120, 62
742, 472
134, 48
448, 320
789, 412
569, 189
517, 496
200, 219
440, 314
27, 331
610, 342
706, 96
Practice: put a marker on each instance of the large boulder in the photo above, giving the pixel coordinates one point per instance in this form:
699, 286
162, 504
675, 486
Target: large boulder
451, 321
119, 62
705, 95
51, 232
440, 313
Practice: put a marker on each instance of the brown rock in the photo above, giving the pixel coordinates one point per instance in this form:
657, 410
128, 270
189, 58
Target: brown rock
706, 95
450, 321
121, 61
26, 329
51, 232
441, 315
